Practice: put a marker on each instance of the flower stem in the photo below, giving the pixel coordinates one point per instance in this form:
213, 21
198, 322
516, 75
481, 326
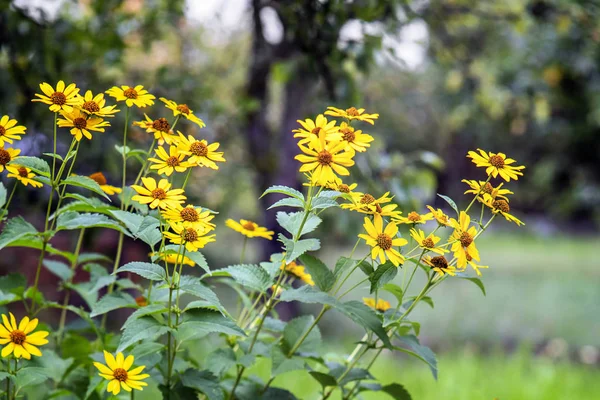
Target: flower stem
310, 328
124, 181
243, 249
477, 195
12, 193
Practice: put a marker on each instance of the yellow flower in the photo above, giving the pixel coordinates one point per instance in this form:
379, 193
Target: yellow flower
365, 202
439, 216
440, 265
167, 163
479, 188
61, 99
23, 175
341, 187
18, 339
496, 164
7, 155
81, 123
325, 160
475, 266
427, 243
381, 304
249, 229
190, 216
464, 240
201, 153
352, 113
383, 240
174, 258
160, 127
355, 139
95, 105
299, 272
191, 237
158, 195
182, 109
119, 373
311, 131
100, 179
8, 130
414, 217
137, 96
500, 206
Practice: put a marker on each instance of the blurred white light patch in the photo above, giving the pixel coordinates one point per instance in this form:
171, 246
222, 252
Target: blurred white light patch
40, 10
226, 14
272, 27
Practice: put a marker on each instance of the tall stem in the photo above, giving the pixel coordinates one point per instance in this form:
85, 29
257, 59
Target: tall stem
124, 154
12, 193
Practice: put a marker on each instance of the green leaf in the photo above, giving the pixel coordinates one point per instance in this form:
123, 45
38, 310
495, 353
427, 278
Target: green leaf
112, 301
195, 256
275, 393
86, 183
60, 269
199, 322
382, 275
324, 379
192, 285
365, 316
144, 328
95, 382
395, 290
291, 222
281, 364
288, 202
451, 202
72, 220
37, 165
130, 220
296, 329
85, 258
322, 276
284, 190
2, 194
322, 203
355, 374
294, 250
307, 294
54, 366
397, 391
423, 353
221, 360
103, 282
91, 205
250, 275
476, 281
14, 230
35, 242
150, 309
425, 299
203, 381
146, 270
30, 376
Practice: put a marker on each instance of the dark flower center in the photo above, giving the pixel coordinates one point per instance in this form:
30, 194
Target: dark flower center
17, 337
497, 161
189, 214
324, 157
91, 106
501, 205
316, 131
172, 161
159, 194
80, 123
183, 108
487, 188
189, 235
249, 226
413, 216
4, 155
348, 134
58, 98
343, 188
2, 130
99, 178
199, 149
130, 93
465, 239
120, 374
367, 199
23, 173
428, 242
384, 241
352, 111
161, 125
439, 262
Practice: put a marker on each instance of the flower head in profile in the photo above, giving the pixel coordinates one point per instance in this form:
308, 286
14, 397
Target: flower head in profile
18, 339
158, 194
366, 203
7, 155
23, 175
9, 130
325, 160
463, 239
100, 179
427, 243
355, 139
119, 373
414, 218
496, 164
249, 229
311, 131
81, 124
167, 163
500, 206
200, 153
173, 258
383, 240
63, 98
351, 114
480, 188
191, 237
341, 187
182, 109
190, 216
380, 305
159, 127
299, 272
132, 96
439, 215
96, 105
440, 265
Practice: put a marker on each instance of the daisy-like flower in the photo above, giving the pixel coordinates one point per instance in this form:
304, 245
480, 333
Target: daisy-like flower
200, 152
159, 127
169, 162
190, 216
427, 243
414, 217
352, 113
23, 175
100, 179
17, 339
7, 155
380, 305
299, 272
496, 164
311, 131
249, 229
182, 109
63, 98
341, 187
383, 240
119, 373
325, 160
439, 216
500, 206
192, 238
475, 266
174, 258
96, 105
9, 130
440, 265
480, 188
158, 195
355, 139
137, 96
81, 123
365, 202
464, 240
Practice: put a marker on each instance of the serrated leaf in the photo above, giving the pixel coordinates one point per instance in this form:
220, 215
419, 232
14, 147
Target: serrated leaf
291, 222
192, 285
324, 379
14, 230
86, 183
91, 205
60, 269
103, 282
355, 374
221, 360
306, 294
251, 276
284, 190
203, 381
294, 250
450, 202
275, 393
195, 256
154, 272
288, 202
144, 328
323, 203
112, 301
321, 275
131, 220
296, 329
282, 364
423, 353
365, 316
150, 309
72, 220
37, 165
383, 274
30, 376
199, 322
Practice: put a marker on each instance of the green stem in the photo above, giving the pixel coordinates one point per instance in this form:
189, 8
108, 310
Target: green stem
310, 328
124, 181
243, 250
144, 168
352, 288
12, 193
350, 273
111, 287
187, 177
477, 195
64, 189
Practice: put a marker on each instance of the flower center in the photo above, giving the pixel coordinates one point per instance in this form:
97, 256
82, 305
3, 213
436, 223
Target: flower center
249, 226
367, 199
501, 205
316, 131
324, 157
130, 93
378, 208
190, 235
172, 161
348, 134
413, 216
4, 155
159, 194
91, 106
99, 178
352, 111
468, 256
199, 149
428, 242
384, 241
58, 98
487, 188
141, 301
183, 108
17, 337
120, 374
465, 239
497, 161
189, 214
343, 188
439, 262
23, 173
161, 125
80, 123
2, 130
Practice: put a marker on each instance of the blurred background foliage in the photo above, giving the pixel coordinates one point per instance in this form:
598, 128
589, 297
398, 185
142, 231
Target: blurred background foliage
446, 76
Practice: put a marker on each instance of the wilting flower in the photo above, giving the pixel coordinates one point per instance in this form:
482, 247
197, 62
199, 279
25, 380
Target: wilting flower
119, 373
81, 123
500, 206
325, 160
480, 188
158, 195
475, 266
100, 179
440, 265
464, 240
311, 131
380, 305
355, 139
61, 99
383, 241
200, 152
414, 217
9, 130
299, 272
174, 258
159, 127
352, 113
137, 96
192, 238
7, 155
427, 243
439, 216
182, 109
190, 216
95, 105
496, 164
249, 229
23, 175
18, 339
169, 162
